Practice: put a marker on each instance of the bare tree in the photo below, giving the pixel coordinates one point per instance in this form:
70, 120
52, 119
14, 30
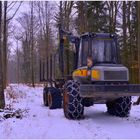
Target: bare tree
5, 45
2, 100
8, 6
138, 14
32, 45
45, 42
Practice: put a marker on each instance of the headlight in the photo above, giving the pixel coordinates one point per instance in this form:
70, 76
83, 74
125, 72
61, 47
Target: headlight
96, 74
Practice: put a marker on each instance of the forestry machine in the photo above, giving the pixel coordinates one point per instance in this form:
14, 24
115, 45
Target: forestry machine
107, 82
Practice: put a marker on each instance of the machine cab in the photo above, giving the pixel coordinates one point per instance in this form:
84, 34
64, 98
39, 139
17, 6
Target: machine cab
104, 50
101, 46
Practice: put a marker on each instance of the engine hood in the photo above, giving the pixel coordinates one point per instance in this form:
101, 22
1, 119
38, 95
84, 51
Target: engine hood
111, 72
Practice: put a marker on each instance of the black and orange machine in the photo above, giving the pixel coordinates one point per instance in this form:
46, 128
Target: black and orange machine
107, 82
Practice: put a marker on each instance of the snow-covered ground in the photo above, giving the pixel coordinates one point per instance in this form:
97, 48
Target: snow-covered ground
40, 122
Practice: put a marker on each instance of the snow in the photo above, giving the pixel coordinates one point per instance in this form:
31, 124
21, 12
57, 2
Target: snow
40, 122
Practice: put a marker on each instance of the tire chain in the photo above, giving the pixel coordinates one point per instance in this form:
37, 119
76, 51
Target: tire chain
121, 107
124, 106
73, 87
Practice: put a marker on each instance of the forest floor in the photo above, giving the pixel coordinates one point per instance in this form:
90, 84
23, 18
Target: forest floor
31, 119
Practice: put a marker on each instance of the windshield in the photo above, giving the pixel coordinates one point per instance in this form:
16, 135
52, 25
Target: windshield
103, 50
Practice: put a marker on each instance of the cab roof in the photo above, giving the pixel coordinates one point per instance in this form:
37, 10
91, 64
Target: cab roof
98, 35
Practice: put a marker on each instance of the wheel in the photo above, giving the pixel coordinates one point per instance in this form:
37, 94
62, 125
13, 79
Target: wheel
87, 102
49, 96
120, 107
54, 98
72, 102
45, 101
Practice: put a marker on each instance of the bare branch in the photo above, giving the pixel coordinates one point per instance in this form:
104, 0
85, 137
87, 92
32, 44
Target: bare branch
10, 4
14, 3
15, 12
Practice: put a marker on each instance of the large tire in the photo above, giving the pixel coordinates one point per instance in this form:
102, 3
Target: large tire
45, 92
54, 98
72, 102
120, 107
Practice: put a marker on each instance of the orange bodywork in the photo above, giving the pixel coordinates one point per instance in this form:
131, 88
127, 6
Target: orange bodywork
80, 72
95, 74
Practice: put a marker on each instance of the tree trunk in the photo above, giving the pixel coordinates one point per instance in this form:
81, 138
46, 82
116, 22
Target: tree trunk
2, 100
130, 41
124, 33
32, 47
138, 14
5, 46
115, 16
17, 63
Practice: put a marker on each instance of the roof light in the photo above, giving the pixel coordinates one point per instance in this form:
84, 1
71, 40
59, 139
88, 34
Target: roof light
93, 35
112, 35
